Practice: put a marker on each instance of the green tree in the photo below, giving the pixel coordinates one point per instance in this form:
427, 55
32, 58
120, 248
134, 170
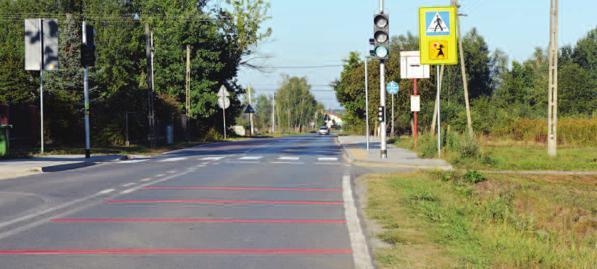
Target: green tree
296, 107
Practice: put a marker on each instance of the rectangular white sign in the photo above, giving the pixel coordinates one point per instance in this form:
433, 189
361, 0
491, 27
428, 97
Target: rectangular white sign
411, 67
415, 103
35, 37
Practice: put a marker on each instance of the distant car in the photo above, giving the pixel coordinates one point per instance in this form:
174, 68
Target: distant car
324, 130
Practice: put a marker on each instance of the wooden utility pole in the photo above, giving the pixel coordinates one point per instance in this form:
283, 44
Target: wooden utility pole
469, 121
552, 109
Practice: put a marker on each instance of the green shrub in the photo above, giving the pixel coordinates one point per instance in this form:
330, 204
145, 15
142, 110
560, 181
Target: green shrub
473, 177
427, 146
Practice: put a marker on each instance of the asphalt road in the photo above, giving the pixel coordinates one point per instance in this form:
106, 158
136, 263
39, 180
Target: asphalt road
264, 203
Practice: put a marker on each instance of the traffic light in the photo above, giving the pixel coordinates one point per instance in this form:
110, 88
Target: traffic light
381, 36
88, 47
381, 114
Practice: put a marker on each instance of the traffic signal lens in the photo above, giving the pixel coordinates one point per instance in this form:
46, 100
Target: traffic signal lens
381, 37
381, 52
381, 21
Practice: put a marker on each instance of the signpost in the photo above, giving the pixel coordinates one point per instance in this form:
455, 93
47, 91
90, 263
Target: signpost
223, 103
41, 54
411, 68
392, 89
437, 43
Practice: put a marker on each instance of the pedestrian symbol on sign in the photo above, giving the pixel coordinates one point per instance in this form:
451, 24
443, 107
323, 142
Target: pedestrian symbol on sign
438, 23
438, 49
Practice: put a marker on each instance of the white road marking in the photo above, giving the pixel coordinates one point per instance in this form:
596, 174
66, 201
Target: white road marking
327, 163
250, 158
132, 161
146, 179
171, 172
128, 184
212, 158
288, 162
106, 191
244, 162
175, 159
128, 191
289, 158
160, 175
327, 159
70, 211
360, 251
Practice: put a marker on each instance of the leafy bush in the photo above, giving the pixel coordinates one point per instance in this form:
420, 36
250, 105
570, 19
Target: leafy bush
573, 131
473, 177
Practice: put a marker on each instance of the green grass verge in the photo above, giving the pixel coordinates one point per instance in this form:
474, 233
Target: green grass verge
446, 220
504, 155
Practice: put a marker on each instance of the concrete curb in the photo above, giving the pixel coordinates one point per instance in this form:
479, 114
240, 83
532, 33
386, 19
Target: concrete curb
350, 159
76, 165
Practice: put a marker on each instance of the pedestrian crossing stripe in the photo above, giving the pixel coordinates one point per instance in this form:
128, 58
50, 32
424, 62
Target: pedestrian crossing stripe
250, 158
212, 158
176, 159
327, 159
133, 161
289, 158
438, 23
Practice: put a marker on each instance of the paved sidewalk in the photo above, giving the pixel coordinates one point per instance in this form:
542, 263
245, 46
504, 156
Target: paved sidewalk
356, 149
23, 167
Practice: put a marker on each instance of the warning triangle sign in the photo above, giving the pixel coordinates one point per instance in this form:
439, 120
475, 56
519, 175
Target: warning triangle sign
438, 25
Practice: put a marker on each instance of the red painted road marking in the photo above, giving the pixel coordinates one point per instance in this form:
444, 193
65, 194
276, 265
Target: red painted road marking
190, 220
216, 201
172, 251
241, 188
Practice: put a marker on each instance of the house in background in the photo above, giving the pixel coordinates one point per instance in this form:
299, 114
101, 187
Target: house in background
333, 120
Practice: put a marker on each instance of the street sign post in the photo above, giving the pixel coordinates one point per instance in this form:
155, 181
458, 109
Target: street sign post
437, 34
437, 43
392, 89
223, 103
41, 53
411, 68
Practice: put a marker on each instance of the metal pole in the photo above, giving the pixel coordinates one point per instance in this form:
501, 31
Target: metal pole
251, 114
393, 120
382, 103
382, 100
367, 103
552, 110
224, 113
86, 100
41, 86
126, 127
416, 128
437, 100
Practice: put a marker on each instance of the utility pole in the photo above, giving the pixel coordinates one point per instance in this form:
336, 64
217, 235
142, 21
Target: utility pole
86, 97
188, 91
552, 110
382, 98
392, 115
469, 121
274, 113
251, 114
150, 110
367, 102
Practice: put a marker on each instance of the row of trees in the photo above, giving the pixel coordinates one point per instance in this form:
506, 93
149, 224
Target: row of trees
296, 109
220, 37
499, 92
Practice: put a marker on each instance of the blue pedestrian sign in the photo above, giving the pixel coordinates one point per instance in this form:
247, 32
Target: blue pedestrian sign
438, 23
392, 87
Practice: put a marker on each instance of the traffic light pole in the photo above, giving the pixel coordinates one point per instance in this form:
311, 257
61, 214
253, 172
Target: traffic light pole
86, 99
382, 99
367, 102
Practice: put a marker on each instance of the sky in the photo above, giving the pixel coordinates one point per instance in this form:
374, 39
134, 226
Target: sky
323, 32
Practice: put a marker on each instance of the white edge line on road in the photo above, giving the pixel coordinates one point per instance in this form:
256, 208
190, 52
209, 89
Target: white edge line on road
360, 250
68, 212
105, 191
146, 179
128, 191
128, 184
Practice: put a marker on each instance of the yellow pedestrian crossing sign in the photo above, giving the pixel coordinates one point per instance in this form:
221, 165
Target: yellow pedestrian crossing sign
437, 35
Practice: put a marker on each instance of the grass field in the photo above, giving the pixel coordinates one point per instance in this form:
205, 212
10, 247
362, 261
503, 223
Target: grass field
450, 220
515, 155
